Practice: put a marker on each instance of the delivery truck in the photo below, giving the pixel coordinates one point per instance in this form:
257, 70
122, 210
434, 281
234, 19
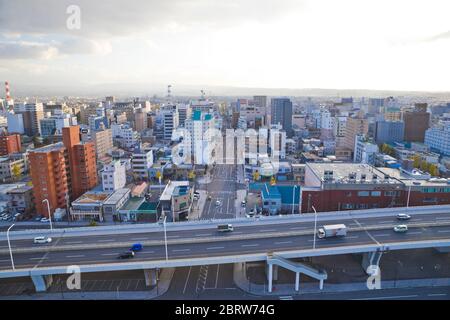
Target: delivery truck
332, 230
224, 228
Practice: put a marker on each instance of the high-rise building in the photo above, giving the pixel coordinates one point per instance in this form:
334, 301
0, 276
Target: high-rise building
9, 143
354, 127
199, 143
140, 120
281, 113
103, 141
50, 172
389, 131
184, 112
15, 123
170, 120
438, 138
416, 123
82, 161
31, 113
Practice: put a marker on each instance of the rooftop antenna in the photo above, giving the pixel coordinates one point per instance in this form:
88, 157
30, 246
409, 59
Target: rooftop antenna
169, 92
203, 94
8, 94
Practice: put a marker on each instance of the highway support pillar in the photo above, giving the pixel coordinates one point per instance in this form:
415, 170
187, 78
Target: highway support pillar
371, 259
297, 281
270, 266
42, 282
150, 277
321, 284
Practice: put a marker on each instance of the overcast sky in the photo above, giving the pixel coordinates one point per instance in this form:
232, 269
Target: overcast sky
357, 44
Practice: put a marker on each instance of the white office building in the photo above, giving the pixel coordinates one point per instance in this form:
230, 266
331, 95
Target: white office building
141, 162
200, 141
365, 151
113, 176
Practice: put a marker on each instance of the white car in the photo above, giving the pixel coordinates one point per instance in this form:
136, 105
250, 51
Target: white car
403, 216
42, 239
45, 220
218, 203
401, 228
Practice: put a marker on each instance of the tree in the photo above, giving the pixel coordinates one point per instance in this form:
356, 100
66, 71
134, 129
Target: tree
191, 175
158, 174
434, 170
273, 180
256, 176
16, 172
417, 161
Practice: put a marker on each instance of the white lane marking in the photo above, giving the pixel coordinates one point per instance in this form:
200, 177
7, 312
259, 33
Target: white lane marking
217, 276
443, 230
283, 242
180, 250
389, 297
268, 230
173, 236
144, 252
76, 256
436, 294
298, 228
385, 221
107, 240
139, 239
73, 242
214, 248
381, 235
415, 232
203, 234
5, 260
286, 298
109, 254
239, 232
250, 245
442, 218
187, 279
38, 258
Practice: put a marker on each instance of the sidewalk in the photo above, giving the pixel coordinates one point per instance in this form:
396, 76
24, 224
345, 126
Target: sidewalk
163, 285
288, 289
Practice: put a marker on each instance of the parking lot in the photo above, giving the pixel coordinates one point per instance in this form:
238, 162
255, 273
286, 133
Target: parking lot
90, 282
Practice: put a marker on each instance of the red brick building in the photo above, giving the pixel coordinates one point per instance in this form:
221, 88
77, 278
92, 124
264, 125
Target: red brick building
350, 186
67, 167
9, 143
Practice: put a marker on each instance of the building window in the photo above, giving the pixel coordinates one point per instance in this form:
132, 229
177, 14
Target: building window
363, 193
376, 193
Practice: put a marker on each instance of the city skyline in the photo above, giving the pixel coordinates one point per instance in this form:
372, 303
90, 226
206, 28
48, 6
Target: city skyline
238, 44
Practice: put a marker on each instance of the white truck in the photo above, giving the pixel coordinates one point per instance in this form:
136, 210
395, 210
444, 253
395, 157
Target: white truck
225, 228
332, 230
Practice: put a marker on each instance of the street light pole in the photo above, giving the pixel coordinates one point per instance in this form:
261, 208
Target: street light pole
165, 237
9, 245
315, 226
409, 193
293, 199
49, 214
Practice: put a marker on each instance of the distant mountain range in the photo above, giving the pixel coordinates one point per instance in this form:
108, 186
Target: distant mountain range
130, 89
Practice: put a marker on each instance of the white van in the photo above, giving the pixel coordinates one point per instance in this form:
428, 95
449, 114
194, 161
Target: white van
42, 239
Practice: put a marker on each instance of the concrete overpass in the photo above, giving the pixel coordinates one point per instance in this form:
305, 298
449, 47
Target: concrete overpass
95, 250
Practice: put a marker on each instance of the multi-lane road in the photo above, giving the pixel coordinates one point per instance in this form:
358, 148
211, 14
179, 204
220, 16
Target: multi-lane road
207, 242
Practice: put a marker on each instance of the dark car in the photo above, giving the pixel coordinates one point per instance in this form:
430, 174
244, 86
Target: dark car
136, 247
126, 255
